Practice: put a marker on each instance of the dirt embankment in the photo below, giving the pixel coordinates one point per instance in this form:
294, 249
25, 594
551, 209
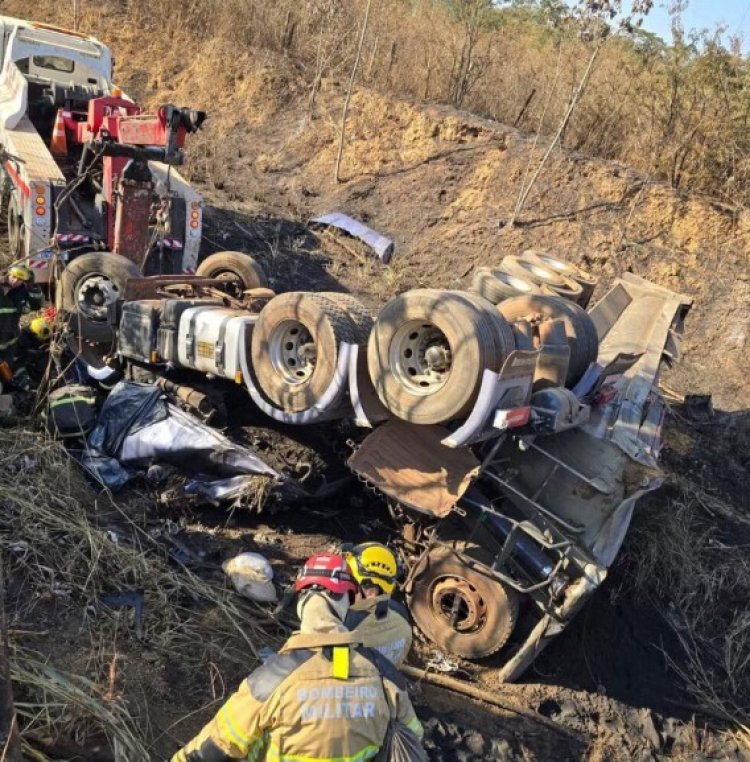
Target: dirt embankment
444, 185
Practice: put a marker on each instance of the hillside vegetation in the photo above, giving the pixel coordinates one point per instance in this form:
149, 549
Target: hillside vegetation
675, 112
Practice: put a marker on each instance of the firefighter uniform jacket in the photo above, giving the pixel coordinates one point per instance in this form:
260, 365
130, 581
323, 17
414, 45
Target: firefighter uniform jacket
383, 625
322, 698
12, 303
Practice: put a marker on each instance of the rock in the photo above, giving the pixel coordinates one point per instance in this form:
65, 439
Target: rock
567, 710
451, 729
670, 270
648, 729
500, 750
475, 743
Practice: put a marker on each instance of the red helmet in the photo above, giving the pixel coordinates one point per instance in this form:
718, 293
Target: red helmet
328, 571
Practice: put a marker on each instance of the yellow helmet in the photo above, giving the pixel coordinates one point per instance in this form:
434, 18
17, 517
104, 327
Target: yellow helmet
22, 272
41, 328
374, 564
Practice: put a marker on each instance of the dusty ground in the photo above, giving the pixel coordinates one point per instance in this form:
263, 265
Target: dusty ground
444, 185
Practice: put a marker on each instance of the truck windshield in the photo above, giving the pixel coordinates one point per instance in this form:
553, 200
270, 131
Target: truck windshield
55, 63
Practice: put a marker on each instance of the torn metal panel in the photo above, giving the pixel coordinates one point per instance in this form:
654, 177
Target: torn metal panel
380, 244
638, 318
408, 463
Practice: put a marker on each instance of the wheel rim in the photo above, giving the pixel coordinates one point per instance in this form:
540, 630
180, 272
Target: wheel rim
543, 274
95, 294
457, 604
565, 268
421, 357
229, 276
293, 352
519, 284
554, 264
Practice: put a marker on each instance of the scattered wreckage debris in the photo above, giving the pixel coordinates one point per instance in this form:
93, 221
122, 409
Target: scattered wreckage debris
517, 437
252, 577
380, 244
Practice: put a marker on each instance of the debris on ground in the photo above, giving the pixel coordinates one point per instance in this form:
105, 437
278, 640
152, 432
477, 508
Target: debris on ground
252, 577
380, 244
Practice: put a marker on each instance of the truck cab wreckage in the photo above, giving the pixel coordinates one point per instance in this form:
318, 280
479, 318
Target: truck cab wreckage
511, 465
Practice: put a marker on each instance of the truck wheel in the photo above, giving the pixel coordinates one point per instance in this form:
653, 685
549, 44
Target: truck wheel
427, 352
543, 277
496, 285
585, 280
357, 312
459, 608
502, 330
16, 229
234, 266
579, 328
92, 282
295, 348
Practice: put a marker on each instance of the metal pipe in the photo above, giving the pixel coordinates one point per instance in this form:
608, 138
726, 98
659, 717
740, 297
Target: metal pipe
191, 397
575, 528
524, 549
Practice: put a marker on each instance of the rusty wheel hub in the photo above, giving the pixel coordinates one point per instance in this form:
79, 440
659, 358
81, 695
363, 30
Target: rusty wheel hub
458, 604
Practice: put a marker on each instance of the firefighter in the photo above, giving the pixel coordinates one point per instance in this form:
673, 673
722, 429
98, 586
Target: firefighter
14, 301
383, 622
323, 697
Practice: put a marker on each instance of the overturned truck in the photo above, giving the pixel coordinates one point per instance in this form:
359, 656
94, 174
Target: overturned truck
513, 430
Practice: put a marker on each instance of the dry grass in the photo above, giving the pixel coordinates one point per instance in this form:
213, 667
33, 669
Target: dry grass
697, 570
64, 547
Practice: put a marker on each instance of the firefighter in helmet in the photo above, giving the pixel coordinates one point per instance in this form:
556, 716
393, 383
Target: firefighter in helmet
15, 287
381, 621
323, 697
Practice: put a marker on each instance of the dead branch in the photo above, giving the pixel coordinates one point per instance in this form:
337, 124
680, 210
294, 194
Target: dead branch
345, 110
563, 124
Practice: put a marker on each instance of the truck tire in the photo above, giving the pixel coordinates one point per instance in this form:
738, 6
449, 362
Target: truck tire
585, 280
91, 282
502, 330
233, 265
426, 354
579, 328
461, 609
542, 276
16, 229
295, 348
360, 316
496, 285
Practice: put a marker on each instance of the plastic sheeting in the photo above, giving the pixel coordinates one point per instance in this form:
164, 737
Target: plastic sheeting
401, 745
137, 426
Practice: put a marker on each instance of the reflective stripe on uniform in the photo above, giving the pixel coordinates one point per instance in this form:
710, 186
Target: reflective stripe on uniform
68, 400
415, 725
257, 748
364, 754
9, 343
239, 739
7, 310
340, 669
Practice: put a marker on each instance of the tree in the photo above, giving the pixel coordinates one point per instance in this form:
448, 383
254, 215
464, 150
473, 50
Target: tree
468, 66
